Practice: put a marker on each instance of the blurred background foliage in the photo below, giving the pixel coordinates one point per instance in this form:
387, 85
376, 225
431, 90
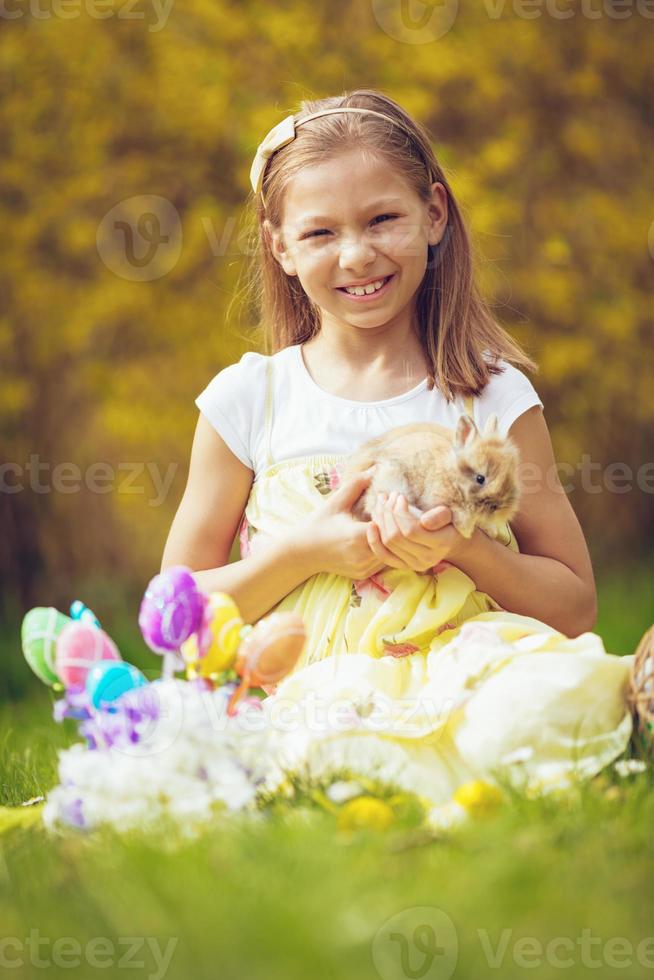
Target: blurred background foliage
544, 127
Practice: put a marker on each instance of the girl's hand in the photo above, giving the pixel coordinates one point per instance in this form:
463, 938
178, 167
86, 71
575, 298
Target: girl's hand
332, 540
404, 541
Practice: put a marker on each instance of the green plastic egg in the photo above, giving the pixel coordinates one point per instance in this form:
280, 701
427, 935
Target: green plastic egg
41, 627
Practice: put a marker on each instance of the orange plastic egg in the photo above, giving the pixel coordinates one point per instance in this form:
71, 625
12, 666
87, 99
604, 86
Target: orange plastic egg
268, 652
272, 648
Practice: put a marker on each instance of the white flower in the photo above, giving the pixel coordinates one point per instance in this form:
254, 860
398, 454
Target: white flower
192, 758
343, 790
447, 817
626, 767
523, 754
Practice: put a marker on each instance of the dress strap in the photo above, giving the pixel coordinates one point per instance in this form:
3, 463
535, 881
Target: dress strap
268, 411
470, 406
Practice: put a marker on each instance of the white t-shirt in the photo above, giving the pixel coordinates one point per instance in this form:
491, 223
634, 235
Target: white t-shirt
308, 420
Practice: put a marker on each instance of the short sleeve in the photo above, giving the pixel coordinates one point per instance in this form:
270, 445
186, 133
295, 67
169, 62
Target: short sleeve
508, 395
231, 402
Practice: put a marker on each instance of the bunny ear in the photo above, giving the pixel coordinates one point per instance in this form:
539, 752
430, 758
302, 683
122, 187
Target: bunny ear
466, 431
491, 428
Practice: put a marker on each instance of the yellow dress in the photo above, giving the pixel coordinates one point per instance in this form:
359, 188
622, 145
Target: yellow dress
424, 681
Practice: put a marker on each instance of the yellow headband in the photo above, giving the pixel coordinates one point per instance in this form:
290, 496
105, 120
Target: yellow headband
283, 133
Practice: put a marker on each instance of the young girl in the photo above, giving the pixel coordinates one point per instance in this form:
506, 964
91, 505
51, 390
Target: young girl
373, 320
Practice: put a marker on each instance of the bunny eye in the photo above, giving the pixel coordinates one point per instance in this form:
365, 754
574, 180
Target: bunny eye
480, 478
492, 507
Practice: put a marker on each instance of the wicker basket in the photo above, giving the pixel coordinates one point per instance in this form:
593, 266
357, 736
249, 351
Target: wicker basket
640, 695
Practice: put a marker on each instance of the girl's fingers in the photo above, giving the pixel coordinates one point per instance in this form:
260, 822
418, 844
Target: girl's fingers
399, 518
378, 548
392, 554
438, 517
399, 553
397, 526
414, 546
380, 514
382, 532
404, 518
390, 524
419, 530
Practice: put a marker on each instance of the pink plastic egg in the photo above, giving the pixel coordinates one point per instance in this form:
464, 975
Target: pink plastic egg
79, 647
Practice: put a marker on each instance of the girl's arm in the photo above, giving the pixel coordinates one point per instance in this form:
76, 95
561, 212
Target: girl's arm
258, 582
552, 577
205, 526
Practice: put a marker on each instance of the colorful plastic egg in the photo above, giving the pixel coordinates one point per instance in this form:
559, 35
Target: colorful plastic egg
171, 610
108, 680
271, 649
268, 653
41, 627
82, 613
79, 647
213, 648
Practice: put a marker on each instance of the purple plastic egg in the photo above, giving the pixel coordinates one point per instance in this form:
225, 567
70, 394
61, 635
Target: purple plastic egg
172, 609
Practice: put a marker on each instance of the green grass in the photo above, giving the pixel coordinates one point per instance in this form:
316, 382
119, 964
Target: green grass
29, 742
626, 605
296, 898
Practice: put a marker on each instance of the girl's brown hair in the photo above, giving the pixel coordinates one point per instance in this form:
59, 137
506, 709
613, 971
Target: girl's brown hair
461, 340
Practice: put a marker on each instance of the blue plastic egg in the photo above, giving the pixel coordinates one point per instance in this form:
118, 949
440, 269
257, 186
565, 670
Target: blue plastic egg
107, 680
79, 611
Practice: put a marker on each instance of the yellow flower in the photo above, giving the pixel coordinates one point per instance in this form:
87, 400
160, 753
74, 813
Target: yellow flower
478, 797
365, 811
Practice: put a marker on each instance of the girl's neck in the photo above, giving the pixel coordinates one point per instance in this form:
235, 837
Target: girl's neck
370, 371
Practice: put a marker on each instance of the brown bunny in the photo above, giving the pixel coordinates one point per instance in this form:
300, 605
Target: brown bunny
474, 474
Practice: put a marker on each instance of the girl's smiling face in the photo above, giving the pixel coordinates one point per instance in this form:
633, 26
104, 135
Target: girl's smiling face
351, 220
